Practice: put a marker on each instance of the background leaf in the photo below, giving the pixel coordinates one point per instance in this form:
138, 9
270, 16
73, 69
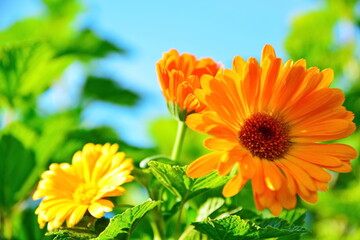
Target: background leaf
12, 155
103, 89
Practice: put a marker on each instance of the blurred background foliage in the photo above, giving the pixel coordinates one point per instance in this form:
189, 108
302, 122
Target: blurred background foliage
36, 52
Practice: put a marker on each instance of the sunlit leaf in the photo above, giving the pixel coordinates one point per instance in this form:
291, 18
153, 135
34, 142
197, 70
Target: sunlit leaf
62, 9
124, 222
210, 206
26, 70
22, 132
294, 216
171, 177
174, 178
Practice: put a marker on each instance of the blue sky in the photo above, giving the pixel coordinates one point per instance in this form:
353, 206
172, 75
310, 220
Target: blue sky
219, 29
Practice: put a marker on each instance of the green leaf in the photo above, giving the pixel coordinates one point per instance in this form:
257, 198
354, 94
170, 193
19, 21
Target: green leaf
54, 131
170, 176
125, 222
158, 158
174, 178
212, 180
103, 89
247, 214
75, 233
88, 45
229, 228
62, 9
210, 206
233, 227
26, 70
294, 216
16, 163
22, 132
143, 176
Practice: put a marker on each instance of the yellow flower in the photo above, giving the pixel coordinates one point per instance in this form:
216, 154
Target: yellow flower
267, 121
179, 75
70, 190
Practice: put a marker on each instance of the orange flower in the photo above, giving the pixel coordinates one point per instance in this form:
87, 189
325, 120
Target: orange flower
179, 76
266, 120
69, 191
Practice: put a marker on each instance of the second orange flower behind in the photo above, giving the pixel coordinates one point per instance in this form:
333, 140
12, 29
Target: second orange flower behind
267, 121
179, 75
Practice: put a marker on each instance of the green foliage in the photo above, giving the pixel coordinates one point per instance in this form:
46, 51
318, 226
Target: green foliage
13, 154
22, 68
103, 89
234, 227
125, 222
34, 53
174, 178
87, 45
312, 37
78, 233
209, 207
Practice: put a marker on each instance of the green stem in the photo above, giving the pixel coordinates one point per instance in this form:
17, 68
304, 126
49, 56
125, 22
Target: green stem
178, 222
158, 224
157, 235
7, 228
175, 155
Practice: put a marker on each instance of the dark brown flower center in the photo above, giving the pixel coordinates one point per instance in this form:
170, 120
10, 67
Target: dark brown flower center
265, 136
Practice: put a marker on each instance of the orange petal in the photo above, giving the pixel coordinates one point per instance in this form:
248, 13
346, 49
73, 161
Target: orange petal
344, 168
234, 186
219, 144
258, 183
248, 166
300, 175
272, 175
275, 208
267, 198
257, 202
226, 164
313, 170
311, 198
268, 51
321, 131
285, 198
204, 165
312, 154
321, 186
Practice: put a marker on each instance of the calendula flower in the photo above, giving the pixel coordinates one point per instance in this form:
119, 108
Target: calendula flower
179, 76
71, 190
267, 121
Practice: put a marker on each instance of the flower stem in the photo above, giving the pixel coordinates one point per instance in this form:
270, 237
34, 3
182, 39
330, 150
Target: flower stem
181, 130
178, 222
